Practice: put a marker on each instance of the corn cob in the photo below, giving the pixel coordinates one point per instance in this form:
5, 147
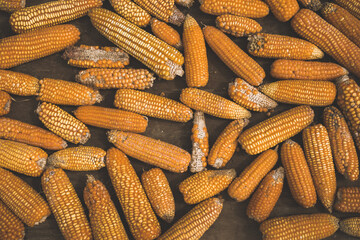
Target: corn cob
265, 197
65, 205
161, 58
62, 123
18, 83
111, 118
159, 193
131, 12
237, 26
200, 143
95, 57
11, 228
318, 154
5, 103
196, 222
314, 5
225, 145
134, 203
185, 3
351, 226
249, 97
104, 218
306, 70
348, 199
244, 185
315, 29
342, 144
296, 227
11, 5
298, 174
166, 33
22, 199
84, 158
283, 10
235, 58
152, 105
50, 14
276, 129
353, 6
151, 151
196, 62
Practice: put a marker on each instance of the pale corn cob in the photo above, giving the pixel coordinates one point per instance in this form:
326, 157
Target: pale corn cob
196, 62
225, 145
237, 26
353, 6
249, 97
104, 218
342, 144
235, 58
283, 10
18, 83
131, 12
276, 129
244, 185
200, 143
166, 33
348, 199
50, 14
11, 5
265, 197
62, 123
5, 103
351, 226
11, 228
22, 199
279, 46
196, 222
84, 158
314, 5
65, 205
22, 48
306, 70
319, 157
151, 151
134, 203
157, 55
159, 193
185, 3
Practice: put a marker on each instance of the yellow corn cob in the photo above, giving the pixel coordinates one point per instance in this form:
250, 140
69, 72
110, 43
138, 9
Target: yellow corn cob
104, 218
342, 144
185, 3
151, 151
276, 129
196, 62
298, 174
348, 199
244, 185
314, 5
157, 55
166, 33
318, 154
351, 226
11, 5
22, 199
296, 227
134, 203
353, 6
50, 14
159, 193
237, 26
225, 145
5, 103
65, 205
265, 197
200, 143
283, 10
306, 70
235, 58
84, 158
18, 83
196, 222
62, 123
131, 12
11, 228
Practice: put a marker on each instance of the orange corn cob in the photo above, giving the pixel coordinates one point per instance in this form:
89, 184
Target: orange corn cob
235, 58
151, 151
18, 83
314, 5
11, 228
62, 123
134, 203
11, 5
65, 205
283, 10
276, 129
131, 12
5, 103
166, 33
185, 3
351, 226
200, 143
353, 6
348, 199
159, 193
244, 185
237, 26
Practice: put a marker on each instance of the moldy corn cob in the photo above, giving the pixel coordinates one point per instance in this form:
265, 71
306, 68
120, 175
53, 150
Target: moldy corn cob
351, 226
283, 10
237, 26
11, 227
185, 3
353, 6
131, 12
11, 5
348, 199
166, 33
314, 5
5, 103
200, 143
18, 83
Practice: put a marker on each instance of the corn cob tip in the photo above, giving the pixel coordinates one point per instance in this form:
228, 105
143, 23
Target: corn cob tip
342, 79
317, 53
185, 3
314, 5
279, 174
112, 136
256, 42
7, 106
177, 18
90, 178
175, 69
168, 218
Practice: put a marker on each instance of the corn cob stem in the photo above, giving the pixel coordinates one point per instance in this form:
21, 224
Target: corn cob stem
166, 33
348, 199
200, 143
131, 12
18, 83
237, 26
11, 5
351, 226
11, 227
353, 6
185, 3
5, 103
283, 10
314, 5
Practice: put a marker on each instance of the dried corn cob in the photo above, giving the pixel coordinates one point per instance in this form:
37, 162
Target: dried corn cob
65, 205
342, 144
196, 62
159, 193
244, 185
185, 3
348, 199
161, 58
237, 26
104, 218
96, 57
351, 226
111, 118
151, 151
134, 203
196, 222
314, 5
200, 143
235, 58
11, 5
276, 129
318, 154
11, 228
5, 103
50, 14
298, 174
166, 33
22, 199
18, 83
62, 123
283, 10
225, 145
353, 6
131, 12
